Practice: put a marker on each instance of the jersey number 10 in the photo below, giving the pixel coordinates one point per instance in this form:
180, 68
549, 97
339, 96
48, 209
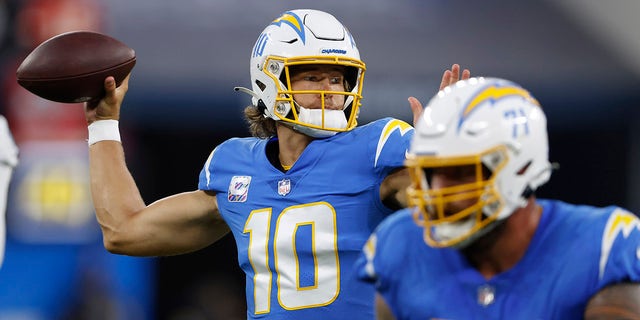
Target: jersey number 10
321, 218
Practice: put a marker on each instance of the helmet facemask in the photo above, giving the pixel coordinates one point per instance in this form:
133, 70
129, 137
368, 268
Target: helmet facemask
454, 216
332, 111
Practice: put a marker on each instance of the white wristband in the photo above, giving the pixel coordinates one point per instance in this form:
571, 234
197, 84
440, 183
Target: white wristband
102, 130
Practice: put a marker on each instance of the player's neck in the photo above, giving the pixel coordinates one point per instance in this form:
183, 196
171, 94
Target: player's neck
503, 248
291, 144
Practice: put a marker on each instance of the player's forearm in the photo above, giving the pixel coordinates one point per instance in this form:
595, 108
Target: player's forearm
115, 194
383, 312
393, 189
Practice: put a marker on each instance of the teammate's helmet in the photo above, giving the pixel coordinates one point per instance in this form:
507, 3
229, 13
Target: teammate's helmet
495, 126
305, 37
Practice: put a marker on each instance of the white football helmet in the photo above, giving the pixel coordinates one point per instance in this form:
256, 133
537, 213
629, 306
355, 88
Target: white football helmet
305, 37
493, 126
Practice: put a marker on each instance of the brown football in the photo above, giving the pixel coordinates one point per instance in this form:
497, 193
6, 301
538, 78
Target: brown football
71, 67
619, 301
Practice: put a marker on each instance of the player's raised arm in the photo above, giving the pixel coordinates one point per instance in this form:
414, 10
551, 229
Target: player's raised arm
177, 224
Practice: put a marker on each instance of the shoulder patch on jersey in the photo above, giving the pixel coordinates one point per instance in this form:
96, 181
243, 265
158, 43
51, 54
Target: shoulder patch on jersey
239, 188
388, 129
620, 222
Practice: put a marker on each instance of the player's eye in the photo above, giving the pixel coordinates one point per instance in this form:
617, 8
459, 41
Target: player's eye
336, 80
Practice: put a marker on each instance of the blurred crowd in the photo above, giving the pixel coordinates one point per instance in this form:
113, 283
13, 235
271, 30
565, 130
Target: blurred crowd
55, 265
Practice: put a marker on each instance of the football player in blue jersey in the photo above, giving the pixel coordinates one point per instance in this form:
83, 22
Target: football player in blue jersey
300, 197
493, 250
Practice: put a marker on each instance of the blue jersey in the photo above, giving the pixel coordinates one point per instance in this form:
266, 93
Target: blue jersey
298, 233
575, 251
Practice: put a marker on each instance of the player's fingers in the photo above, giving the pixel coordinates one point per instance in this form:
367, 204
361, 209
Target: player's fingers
109, 85
110, 91
455, 74
446, 77
91, 104
90, 110
416, 109
466, 74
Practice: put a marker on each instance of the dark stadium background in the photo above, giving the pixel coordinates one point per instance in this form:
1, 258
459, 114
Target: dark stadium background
576, 57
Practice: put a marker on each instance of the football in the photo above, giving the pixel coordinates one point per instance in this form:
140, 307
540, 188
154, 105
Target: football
619, 301
71, 67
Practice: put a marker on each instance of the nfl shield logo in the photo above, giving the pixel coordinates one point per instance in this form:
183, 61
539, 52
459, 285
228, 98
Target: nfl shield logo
284, 186
486, 295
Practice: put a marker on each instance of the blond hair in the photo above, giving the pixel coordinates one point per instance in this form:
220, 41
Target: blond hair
259, 125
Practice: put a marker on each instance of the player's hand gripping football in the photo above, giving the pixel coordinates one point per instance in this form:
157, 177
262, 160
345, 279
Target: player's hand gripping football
449, 77
108, 107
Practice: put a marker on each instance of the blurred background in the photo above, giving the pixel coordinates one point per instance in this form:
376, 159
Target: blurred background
578, 57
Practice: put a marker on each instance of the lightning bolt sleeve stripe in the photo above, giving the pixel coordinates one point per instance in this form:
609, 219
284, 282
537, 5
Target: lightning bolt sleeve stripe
620, 222
388, 129
208, 165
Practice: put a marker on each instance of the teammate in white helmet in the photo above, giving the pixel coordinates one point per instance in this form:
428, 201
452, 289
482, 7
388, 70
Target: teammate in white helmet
8, 161
493, 250
300, 197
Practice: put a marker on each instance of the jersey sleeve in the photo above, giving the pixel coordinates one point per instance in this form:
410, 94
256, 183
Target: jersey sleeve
206, 174
218, 164
620, 248
381, 255
365, 265
392, 144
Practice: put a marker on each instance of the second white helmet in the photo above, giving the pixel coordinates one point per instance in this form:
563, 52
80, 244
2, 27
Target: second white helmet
496, 129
